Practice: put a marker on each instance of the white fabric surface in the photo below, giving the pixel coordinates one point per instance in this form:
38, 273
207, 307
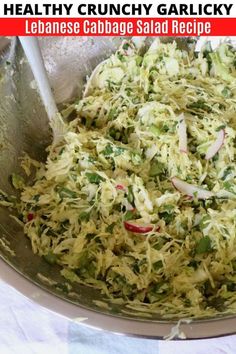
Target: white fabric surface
27, 328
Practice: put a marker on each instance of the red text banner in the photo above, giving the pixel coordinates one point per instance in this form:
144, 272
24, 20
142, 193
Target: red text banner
118, 26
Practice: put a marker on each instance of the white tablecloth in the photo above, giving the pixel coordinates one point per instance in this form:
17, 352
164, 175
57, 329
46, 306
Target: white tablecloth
27, 328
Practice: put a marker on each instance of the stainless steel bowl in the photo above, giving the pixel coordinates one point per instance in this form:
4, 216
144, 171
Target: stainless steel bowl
24, 128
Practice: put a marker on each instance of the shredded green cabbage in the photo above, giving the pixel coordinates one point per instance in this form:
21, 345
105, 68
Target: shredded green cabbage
114, 168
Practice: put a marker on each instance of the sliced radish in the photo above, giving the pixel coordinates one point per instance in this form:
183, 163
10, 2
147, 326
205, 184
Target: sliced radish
215, 147
190, 189
30, 216
137, 228
182, 133
120, 187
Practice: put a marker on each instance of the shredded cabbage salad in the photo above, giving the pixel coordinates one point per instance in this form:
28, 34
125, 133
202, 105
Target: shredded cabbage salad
139, 198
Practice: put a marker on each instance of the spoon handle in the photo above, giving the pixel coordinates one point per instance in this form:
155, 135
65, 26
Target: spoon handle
34, 56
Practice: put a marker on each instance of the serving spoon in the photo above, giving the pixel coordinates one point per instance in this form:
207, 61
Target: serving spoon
36, 62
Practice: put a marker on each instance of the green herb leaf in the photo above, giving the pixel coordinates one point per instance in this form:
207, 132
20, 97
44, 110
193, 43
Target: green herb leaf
218, 303
167, 216
222, 126
50, 258
204, 245
162, 240
229, 186
110, 228
36, 197
130, 195
231, 286
108, 150
83, 259
90, 236
169, 207
193, 263
156, 168
112, 114
226, 92
115, 134
17, 181
139, 60
67, 193
84, 216
94, 178
121, 57
129, 215
205, 221
216, 157
157, 265
126, 46
118, 150
200, 105
155, 130
136, 158
165, 128
227, 172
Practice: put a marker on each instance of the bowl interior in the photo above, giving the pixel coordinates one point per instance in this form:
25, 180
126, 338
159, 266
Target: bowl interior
24, 128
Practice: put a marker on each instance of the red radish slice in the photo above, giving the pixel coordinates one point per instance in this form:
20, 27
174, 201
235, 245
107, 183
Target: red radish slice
133, 226
182, 133
215, 147
120, 187
190, 189
30, 216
